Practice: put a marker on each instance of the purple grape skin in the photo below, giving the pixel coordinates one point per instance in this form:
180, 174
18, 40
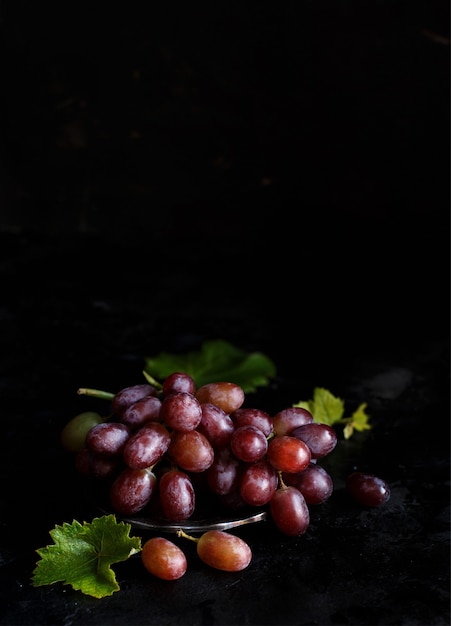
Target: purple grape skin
177, 496
96, 466
107, 438
249, 444
315, 483
320, 438
146, 446
290, 418
223, 473
253, 417
132, 490
127, 396
181, 411
289, 511
145, 410
367, 489
216, 425
179, 382
258, 483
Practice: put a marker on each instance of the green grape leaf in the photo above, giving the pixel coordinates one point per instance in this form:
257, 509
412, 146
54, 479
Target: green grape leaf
328, 409
325, 407
217, 360
358, 421
81, 555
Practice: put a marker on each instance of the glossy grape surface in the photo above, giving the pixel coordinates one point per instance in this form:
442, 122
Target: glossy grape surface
181, 411
191, 451
224, 551
163, 558
320, 438
288, 454
177, 496
367, 489
315, 483
227, 396
289, 511
146, 446
249, 444
107, 438
132, 490
127, 396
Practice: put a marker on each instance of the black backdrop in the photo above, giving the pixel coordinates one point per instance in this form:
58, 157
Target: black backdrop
273, 175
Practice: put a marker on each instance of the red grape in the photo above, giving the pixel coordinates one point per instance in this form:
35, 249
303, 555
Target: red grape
248, 444
181, 411
145, 410
320, 438
258, 483
224, 551
314, 483
132, 490
127, 396
289, 511
191, 451
222, 475
286, 420
177, 497
253, 417
367, 489
288, 454
178, 382
146, 446
216, 425
108, 438
163, 558
227, 396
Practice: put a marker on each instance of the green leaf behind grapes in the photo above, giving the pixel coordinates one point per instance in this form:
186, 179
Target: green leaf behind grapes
217, 360
82, 554
329, 409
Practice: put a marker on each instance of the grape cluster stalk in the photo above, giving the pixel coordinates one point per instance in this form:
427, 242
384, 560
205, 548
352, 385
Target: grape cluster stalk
163, 447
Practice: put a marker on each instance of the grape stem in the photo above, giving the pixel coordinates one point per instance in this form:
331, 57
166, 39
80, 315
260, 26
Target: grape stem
282, 485
96, 393
182, 533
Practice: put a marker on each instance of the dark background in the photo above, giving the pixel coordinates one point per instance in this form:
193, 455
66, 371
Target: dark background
273, 175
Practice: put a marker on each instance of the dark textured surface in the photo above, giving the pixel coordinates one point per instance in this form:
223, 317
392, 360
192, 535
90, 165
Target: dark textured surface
274, 176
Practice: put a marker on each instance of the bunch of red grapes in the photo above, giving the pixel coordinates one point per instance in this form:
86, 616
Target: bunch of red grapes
161, 447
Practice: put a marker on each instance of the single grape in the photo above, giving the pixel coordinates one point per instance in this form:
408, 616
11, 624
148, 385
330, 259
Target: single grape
289, 511
315, 483
131, 490
163, 558
227, 396
320, 438
253, 417
127, 396
222, 550
288, 454
367, 489
191, 451
146, 446
107, 438
179, 382
181, 411
177, 497
96, 466
73, 435
286, 420
145, 410
248, 444
216, 425
258, 483
223, 473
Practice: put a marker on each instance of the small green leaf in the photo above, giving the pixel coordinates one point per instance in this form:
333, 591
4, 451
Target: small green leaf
328, 409
325, 407
217, 360
81, 555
